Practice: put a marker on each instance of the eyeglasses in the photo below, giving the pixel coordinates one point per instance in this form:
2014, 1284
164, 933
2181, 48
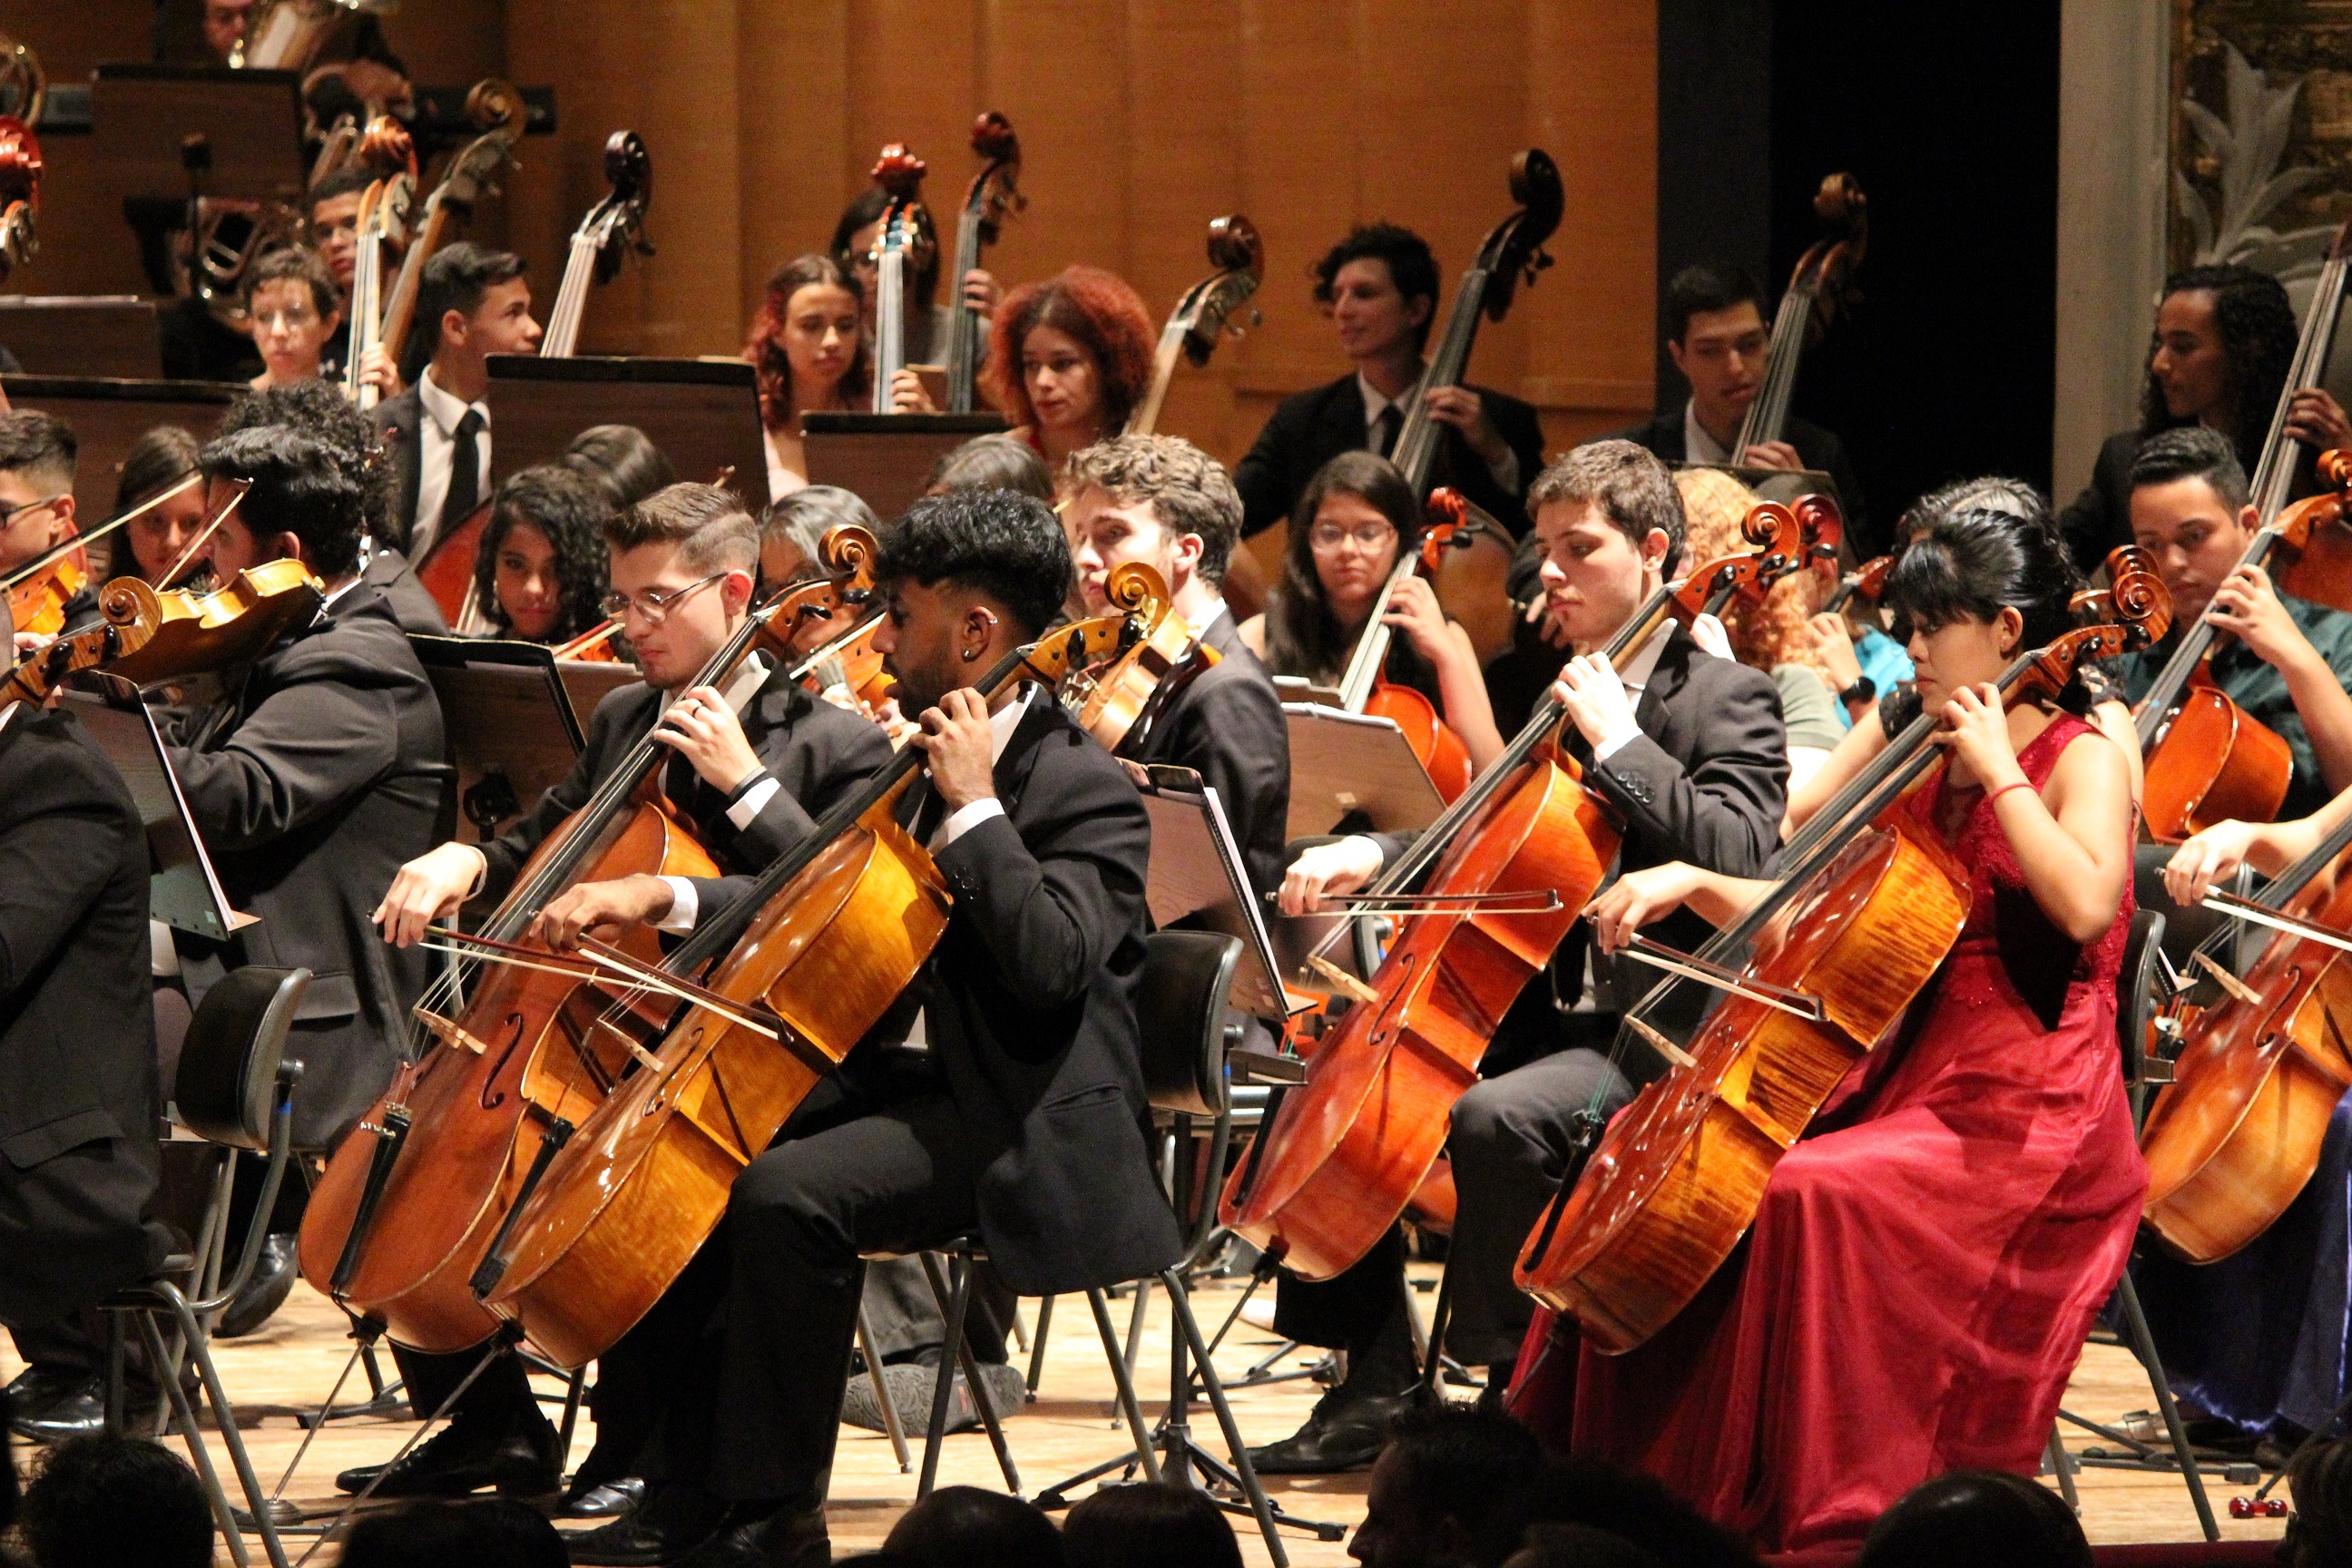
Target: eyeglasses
9, 509
652, 606
322, 232
1369, 536
293, 318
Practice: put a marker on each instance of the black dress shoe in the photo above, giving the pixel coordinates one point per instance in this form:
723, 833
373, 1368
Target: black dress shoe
35, 1390
1345, 1432
787, 1538
600, 1499
672, 1522
83, 1415
458, 1459
274, 1273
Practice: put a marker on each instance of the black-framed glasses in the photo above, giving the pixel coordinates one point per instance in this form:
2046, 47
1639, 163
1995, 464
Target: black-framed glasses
8, 510
653, 607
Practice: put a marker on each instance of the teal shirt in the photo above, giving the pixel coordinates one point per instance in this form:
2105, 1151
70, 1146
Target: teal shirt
2261, 691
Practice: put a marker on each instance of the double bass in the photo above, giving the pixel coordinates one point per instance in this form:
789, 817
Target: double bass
383, 215
611, 228
1204, 313
1813, 976
1472, 587
1345, 1151
901, 175
404, 1214
806, 963
993, 196
1821, 283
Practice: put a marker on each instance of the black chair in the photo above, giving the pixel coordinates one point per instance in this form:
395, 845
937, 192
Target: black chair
2140, 990
234, 1089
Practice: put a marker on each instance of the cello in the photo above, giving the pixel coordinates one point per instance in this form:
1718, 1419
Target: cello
1866, 582
1345, 1151
1473, 590
809, 960
1201, 317
901, 175
1365, 687
993, 196
1822, 282
401, 1217
1816, 975
605, 235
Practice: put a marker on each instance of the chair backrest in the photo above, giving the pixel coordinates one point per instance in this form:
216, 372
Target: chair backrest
229, 1064
2185, 930
1181, 1008
2135, 989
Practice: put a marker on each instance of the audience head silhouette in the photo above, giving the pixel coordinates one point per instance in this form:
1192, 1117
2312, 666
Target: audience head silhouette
1147, 1526
967, 1526
2320, 1528
483, 1532
1973, 1517
103, 1502
1455, 1488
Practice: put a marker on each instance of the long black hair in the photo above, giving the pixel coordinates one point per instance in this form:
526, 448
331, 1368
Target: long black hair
1971, 563
2257, 328
570, 509
1303, 637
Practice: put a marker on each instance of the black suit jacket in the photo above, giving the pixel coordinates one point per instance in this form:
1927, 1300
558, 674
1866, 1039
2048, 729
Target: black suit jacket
1309, 428
1226, 725
316, 775
1817, 449
389, 573
79, 1107
395, 424
815, 751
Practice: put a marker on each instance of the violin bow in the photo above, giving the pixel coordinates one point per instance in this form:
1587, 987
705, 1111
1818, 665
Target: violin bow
66, 547
204, 535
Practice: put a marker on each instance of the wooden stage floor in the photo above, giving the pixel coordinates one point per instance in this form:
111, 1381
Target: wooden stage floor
295, 1358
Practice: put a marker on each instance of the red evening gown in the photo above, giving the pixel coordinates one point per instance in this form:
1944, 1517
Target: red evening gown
1926, 1264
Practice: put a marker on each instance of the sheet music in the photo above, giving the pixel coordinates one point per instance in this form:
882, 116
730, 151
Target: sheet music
1197, 873
183, 889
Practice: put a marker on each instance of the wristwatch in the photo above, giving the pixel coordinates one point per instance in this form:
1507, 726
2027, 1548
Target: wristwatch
1864, 689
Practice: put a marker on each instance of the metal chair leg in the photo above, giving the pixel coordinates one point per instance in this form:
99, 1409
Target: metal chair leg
1180, 1304
1125, 1385
2143, 1345
890, 1424
959, 1357
2062, 1465
1037, 1345
199, 1455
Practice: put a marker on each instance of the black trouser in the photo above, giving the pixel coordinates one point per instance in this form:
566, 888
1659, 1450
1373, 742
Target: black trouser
501, 1398
749, 1349
1509, 1142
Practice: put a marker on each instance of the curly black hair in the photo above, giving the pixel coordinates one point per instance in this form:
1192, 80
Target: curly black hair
570, 510
300, 485
2257, 334
1410, 263
320, 410
1002, 543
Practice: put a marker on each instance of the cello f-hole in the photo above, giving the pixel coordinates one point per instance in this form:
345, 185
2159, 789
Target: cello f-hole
492, 1097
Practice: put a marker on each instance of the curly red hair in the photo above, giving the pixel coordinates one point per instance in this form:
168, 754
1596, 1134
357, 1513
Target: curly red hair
1103, 313
764, 347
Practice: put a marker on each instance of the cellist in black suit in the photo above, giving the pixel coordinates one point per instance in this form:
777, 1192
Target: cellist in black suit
1024, 1118
1379, 285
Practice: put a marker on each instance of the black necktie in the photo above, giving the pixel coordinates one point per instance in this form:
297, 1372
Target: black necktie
465, 472
1391, 423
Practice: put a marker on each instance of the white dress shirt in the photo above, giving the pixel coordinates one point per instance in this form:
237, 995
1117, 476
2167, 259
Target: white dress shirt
1698, 447
436, 449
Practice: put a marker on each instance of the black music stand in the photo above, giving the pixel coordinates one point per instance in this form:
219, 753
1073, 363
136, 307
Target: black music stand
510, 726
886, 459
83, 335
140, 114
704, 414
108, 415
183, 891
1344, 763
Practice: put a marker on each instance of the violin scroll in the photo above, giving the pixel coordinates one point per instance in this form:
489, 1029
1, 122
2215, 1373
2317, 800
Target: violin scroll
1234, 246
2334, 470
1767, 523
848, 551
1136, 589
20, 194
131, 617
995, 191
1870, 582
1820, 527
2134, 595
387, 147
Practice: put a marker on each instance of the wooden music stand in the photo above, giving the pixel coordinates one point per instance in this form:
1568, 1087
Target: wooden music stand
1197, 874
140, 114
83, 335
108, 415
510, 726
704, 414
589, 681
1342, 762
886, 458
183, 891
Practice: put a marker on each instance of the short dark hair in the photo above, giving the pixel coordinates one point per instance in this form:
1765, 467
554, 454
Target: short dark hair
566, 507
455, 280
623, 461
320, 410
1977, 1516
1580, 1490
1410, 263
2320, 1481
2192, 452
300, 485
1149, 1526
998, 462
1008, 546
102, 1501
1626, 483
1697, 288
39, 444
706, 522
159, 460
970, 1526
342, 182
479, 1533
1186, 487
304, 266
1480, 1466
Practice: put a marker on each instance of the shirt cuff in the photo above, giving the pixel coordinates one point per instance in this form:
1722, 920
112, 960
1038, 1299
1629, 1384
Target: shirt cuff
685, 906
1616, 741
1506, 473
746, 811
964, 819
481, 872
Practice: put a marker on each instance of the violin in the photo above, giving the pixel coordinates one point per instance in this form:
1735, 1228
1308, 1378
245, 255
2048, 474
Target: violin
1366, 688
611, 225
1823, 281
1119, 704
1472, 587
594, 646
993, 196
901, 175
128, 618
401, 1219
805, 965
1203, 314
1511, 865
1811, 978
234, 624
384, 213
